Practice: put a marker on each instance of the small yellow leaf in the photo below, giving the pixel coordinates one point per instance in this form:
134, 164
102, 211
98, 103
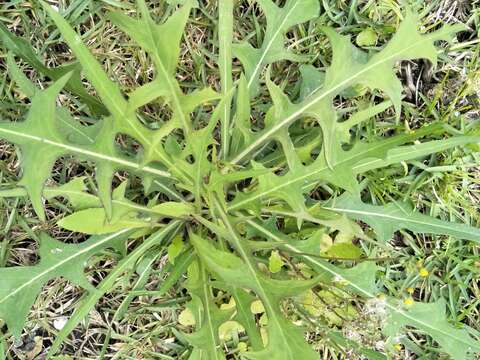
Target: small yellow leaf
275, 262
228, 328
257, 307
344, 250
344, 237
175, 248
263, 320
230, 305
367, 37
242, 346
264, 335
325, 242
186, 318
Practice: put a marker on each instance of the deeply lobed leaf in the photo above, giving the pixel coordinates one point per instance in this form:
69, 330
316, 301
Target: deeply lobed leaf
20, 286
188, 161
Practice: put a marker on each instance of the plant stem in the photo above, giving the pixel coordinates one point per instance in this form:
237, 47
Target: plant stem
225, 36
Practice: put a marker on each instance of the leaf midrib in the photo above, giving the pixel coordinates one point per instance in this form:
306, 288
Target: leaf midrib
225, 36
51, 269
285, 122
374, 146
407, 218
89, 153
266, 49
114, 98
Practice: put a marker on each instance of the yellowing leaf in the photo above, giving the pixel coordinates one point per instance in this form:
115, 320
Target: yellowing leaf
324, 304
173, 209
175, 248
367, 37
186, 318
275, 262
344, 250
228, 328
257, 307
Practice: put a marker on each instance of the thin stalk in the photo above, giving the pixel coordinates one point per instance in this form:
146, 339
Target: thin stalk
225, 36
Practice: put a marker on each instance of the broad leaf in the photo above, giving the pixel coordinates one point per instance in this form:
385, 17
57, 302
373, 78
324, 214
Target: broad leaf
125, 213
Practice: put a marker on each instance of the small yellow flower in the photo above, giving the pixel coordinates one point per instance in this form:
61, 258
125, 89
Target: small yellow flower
398, 347
423, 272
408, 301
410, 290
